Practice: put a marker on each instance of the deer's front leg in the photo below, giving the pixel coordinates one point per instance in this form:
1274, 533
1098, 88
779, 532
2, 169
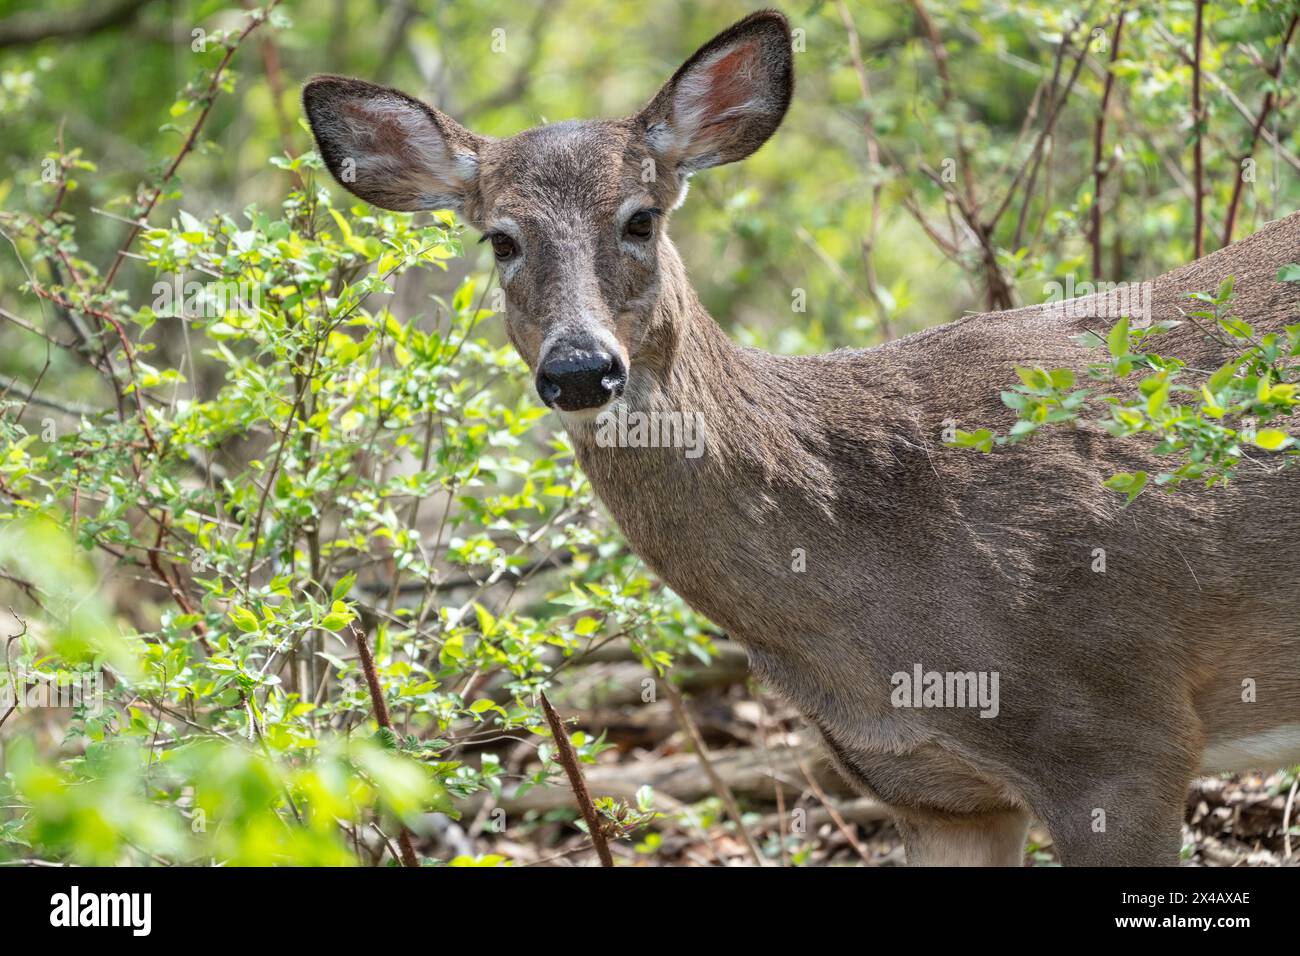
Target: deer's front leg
982, 839
947, 816
1119, 822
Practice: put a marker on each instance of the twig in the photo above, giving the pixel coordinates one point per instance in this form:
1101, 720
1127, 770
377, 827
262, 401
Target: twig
382, 717
765, 721
517, 86
578, 783
1233, 99
873, 161
968, 205
275, 80
719, 785
255, 19
841, 824
1270, 98
1198, 131
1099, 170
9, 671
940, 54
1055, 104
1286, 816
8, 383
24, 29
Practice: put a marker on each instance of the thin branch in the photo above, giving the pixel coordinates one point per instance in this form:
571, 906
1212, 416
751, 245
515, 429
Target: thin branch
1270, 98
384, 720
873, 161
255, 20
940, 54
1099, 170
27, 28
840, 823
1230, 95
719, 785
8, 383
9, 671
275, 82
1198, 134
577, 782
1056, 103
517, 85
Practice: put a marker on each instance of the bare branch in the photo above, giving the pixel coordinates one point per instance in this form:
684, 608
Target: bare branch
24, 29
569, 761
1100, 169
1270, 99
384, 720
1198, 134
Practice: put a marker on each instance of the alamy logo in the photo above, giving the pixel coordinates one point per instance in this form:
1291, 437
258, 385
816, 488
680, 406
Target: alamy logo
80, 689
1099, 300
923, 688
73, 909
206, 300
620, 428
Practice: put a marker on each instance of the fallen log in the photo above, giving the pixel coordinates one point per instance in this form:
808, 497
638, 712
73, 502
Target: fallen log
612, 677
752, 774
858, 810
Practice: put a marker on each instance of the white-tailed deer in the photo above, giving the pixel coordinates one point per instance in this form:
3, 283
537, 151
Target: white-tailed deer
827, 528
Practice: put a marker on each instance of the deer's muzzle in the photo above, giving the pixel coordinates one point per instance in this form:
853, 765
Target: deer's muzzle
572, 379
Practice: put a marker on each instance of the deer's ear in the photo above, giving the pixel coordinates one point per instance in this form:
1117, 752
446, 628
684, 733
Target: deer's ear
389, 148
727, 99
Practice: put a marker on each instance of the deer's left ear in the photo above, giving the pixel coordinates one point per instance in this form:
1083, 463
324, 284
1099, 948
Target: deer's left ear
727, 99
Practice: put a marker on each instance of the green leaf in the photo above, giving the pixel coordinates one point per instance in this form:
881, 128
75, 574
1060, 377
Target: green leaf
1157, 399
981, 440
344, 586
1128, 483
1224, 375
1236, 328
1023, 429
1117, 340
245, 620
339, 617
1273, 439
1062, 378
1034, 378
486, 622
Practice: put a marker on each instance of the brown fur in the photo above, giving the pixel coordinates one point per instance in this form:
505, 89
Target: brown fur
1112, 684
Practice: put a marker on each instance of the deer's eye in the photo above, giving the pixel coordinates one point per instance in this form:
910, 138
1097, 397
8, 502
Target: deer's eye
642, 224
502, 245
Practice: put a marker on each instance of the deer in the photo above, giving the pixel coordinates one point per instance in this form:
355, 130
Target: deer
1114, 689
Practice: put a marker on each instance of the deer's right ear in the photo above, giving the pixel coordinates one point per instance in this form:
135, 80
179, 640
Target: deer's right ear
727, 99
390, 149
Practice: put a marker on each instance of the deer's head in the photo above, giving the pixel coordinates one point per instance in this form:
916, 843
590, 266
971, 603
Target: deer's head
576, 212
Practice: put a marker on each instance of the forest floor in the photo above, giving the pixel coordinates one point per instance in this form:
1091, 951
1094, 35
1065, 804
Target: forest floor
762, 762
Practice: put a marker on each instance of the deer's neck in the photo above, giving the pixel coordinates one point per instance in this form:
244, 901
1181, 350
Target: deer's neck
715, 419
753, 472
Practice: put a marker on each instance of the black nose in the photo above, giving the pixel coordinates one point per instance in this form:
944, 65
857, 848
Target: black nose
573, 379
